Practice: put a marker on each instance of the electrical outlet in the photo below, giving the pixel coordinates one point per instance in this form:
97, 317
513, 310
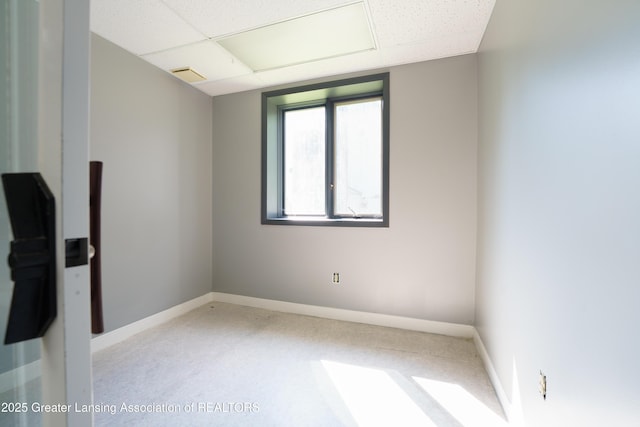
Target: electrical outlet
543, 385
336, 278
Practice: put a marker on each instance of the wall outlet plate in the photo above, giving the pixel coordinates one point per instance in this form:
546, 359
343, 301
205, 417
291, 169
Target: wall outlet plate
543, 385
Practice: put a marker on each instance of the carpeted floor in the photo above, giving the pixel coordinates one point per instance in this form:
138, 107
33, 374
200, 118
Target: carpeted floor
229, 365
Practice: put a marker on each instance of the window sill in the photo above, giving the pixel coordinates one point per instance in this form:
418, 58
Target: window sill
326, 222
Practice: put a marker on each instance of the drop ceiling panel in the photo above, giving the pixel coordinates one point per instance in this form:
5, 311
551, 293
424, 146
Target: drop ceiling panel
141, 26
182, 33
404, 22
236, 84
206, 57
352, 63
217, 18
435, 48
273, 46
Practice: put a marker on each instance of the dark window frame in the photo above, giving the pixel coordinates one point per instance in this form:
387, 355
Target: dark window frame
274, 103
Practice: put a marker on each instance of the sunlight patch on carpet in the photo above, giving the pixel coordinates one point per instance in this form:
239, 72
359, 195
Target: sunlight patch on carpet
462, 405
373, 397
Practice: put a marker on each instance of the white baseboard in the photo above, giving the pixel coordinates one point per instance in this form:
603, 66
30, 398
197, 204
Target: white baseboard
452, 329
110, 338
493, 377
20, 375
442, 328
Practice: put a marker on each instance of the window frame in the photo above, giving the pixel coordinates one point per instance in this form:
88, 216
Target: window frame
327, 94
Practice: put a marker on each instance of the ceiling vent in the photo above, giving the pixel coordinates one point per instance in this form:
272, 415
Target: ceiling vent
188, 75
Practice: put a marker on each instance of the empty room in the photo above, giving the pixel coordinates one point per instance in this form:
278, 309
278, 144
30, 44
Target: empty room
344, 213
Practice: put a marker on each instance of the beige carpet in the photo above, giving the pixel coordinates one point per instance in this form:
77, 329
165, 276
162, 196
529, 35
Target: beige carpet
228, 365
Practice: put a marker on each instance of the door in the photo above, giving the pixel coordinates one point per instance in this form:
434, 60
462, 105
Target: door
20, 380
44, 87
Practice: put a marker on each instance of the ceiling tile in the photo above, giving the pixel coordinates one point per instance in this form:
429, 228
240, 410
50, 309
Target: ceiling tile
217, 18
304, 39
436, 48
312, 70
141, 26
398, 23
206, 57
174, 33
236, 84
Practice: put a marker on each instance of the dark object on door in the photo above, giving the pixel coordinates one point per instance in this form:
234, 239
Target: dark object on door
32, 258
95, 202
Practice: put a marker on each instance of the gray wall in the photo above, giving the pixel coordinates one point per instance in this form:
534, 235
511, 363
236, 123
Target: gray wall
153, 134
422, 266
559, 214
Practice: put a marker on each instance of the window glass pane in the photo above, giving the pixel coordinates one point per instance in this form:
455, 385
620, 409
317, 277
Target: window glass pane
304, 161
358, 158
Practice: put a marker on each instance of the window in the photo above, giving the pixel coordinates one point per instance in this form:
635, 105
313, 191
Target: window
325, 154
